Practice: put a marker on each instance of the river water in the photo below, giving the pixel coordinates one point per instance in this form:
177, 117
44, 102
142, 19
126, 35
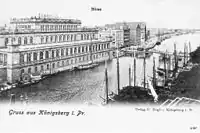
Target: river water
88, 86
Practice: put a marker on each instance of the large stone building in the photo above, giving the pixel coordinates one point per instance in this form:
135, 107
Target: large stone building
47, 44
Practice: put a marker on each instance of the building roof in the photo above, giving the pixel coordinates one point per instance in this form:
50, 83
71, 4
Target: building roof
131, 25
44, 20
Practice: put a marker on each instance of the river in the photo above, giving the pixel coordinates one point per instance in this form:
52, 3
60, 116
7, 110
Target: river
88, 86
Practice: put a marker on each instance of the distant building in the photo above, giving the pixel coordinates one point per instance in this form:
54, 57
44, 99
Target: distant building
115, 35
134, 32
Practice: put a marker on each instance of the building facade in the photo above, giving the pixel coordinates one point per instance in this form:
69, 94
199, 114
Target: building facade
48, 45
134, 32
115, 35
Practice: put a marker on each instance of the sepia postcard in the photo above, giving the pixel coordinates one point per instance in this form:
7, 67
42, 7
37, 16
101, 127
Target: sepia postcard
127, 66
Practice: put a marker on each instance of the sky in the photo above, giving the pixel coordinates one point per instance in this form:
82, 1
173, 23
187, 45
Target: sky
156, 13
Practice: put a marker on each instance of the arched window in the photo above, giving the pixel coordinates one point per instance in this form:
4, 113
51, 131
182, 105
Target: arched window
42, 39
87, 36
47, 66
60, 38
47, 38
79, 49
34, 56
75, 50
31, 40
52, 53
25, 40
68, 37
29, 57
62, 52
21, 58
53, 65
22, 71
66, 51
71, 37
57, 53
83, 49
64, 38
29, 70
42, 68
47, 54
19, 40
36, 69
41, 55
51, 38
56, 38
71, 51
6, 41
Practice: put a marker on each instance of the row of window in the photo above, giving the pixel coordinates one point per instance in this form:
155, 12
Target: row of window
64, 63
62, 52
53, 38
58, 27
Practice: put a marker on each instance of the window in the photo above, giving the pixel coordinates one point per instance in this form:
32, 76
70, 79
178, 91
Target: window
75, 37
57, 53
36, 69
46, 54
66, 51
63, 63
41, 55
71, 37
83, 49
87, 36
64, 38
22, 71
47, 38
68, 37
56, 27
58, 64
75, 50
34, 56
60, 38
71, 50
56, 38
107, 45
47, 66
29, 70
53, 65
21, 58
29, 57
31, 40
79, 49
86, 49
25, 40
51, 38
67, 62
81, 36
42, 68
6, 41
96, 47
52, 53
62, 52
19, 40
60, 27
42, 39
